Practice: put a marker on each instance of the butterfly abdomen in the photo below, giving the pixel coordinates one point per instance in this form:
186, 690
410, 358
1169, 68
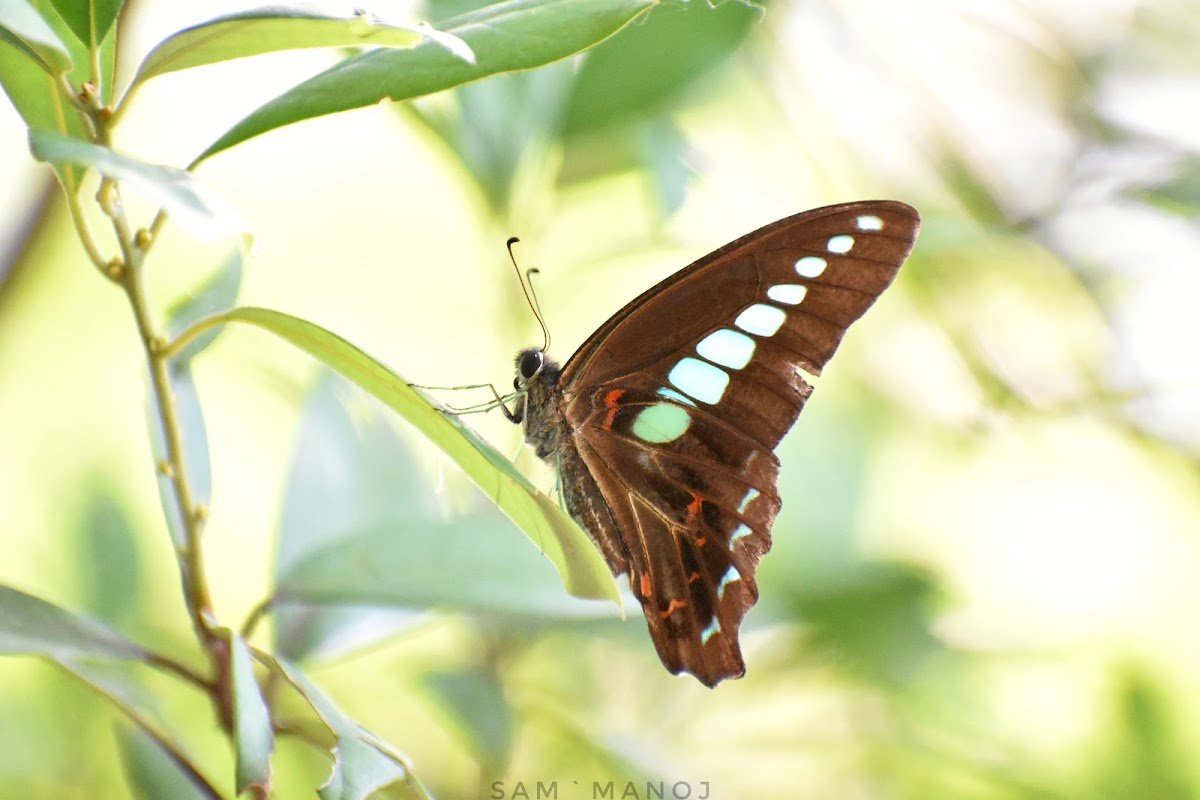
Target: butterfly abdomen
546, 431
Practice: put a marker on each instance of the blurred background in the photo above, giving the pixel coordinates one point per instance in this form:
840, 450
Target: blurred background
985, 580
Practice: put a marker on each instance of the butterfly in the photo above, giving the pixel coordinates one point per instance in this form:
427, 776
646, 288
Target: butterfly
663, 424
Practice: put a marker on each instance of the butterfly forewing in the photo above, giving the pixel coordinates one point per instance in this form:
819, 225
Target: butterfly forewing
674, 406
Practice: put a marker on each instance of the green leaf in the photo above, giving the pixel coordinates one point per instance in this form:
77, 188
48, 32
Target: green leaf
35, 49
130, 697
106, 554
90, 20
32, 37
86, 56
31, 56
192, 205
662, 148
584, 572
32, 626
501, 128
152, 771
348, 468
217, 293
876, 618
468, 563
638, 72
364, 765
509, 36
275, 28
253, 736
35, 94
479, 710
345, 468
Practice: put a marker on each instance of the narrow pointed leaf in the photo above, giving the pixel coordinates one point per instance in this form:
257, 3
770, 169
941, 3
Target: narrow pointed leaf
192, 205
35, 94
32, 626
505, 37
153, 771
344, 469
364, 765
478, 709
583, 570
275, 28
90, 20
467, 563
25, 29
217, 293
253, 737
140, 707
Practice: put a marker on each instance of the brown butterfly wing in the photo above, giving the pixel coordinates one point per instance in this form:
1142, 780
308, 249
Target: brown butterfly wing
675, 405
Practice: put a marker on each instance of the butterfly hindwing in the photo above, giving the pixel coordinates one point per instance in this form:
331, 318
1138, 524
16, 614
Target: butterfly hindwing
666, 419
694, 531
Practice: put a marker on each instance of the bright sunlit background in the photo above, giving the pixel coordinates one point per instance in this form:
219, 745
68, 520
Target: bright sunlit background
985, 580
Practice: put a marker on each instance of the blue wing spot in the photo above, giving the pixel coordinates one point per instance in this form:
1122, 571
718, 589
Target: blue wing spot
729, 577
712, 628
790, 294
700, 379
840, 244
727, 348
810, 266
761, 319
747, 500
742, 530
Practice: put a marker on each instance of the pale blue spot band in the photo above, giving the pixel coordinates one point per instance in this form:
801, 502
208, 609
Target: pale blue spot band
790, 294
840, 244
810, 266
742, 530
729, 577
699, 379
761, 319
727, 348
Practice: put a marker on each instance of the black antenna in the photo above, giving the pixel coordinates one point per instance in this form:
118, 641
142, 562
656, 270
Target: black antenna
530, 294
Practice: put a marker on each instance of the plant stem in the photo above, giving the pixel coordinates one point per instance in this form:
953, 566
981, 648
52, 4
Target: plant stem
191, 553
128, 273
185, 337
255, 615
178, 668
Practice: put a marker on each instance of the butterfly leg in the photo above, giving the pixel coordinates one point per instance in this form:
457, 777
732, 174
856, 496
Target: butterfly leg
514, 417
558, 484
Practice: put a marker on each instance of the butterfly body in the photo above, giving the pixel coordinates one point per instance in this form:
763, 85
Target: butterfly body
662, 426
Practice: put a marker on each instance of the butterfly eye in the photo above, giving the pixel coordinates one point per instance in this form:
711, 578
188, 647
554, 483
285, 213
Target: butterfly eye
530, 364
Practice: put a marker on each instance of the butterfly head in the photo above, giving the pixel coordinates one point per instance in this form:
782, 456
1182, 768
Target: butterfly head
534, 366
536, 383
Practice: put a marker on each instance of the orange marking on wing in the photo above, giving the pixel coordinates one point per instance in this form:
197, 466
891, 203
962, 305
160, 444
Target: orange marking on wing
610, 400
695, 576
674, 606
703, 540
694, 507
647, 591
